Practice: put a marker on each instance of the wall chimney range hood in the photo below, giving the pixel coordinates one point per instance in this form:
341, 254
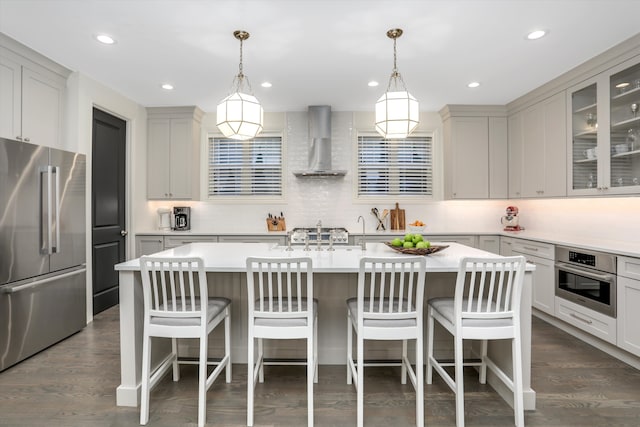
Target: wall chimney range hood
319, 144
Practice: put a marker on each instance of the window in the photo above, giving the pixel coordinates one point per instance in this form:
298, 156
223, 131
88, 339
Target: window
245, 168
395, 167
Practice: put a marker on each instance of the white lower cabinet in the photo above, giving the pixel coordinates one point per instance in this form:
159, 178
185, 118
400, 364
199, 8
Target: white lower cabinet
597, 324
280, 240
543, 256
175, 241
628, 300
489, 244
147, 245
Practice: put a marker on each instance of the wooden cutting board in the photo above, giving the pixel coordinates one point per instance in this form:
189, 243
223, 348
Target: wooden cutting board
397, 218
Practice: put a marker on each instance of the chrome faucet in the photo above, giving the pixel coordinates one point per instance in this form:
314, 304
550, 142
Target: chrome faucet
306, 240
319, 235
332, 237
289, 237
363, 243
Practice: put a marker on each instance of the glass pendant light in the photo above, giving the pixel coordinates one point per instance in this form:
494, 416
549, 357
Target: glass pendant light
240, 115
397, 111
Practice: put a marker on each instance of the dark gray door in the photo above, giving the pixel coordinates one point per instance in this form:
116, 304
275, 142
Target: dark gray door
108, 208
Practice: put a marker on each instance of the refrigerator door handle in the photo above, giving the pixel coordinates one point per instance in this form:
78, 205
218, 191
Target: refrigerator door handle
55, 247
13, 289
45, 210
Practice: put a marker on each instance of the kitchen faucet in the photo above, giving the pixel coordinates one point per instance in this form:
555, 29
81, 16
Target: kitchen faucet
363, 243
319, 235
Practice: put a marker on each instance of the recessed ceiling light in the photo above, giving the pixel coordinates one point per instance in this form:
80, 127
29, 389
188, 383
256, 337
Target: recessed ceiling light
105, 39
167, 86
535, 35
473, 84
373, 83
266, 84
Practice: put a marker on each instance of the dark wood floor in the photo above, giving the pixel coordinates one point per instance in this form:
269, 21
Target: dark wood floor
73, 384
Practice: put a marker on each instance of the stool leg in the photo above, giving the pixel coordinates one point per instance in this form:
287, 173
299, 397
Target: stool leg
518, 400
310, 375
315, 349
146, 367
483, 366
227, 342
349, 348
176, 368
403, 365
419, 381
360, 380
459, 369
250, 382
429, 345
260, 360
202, 382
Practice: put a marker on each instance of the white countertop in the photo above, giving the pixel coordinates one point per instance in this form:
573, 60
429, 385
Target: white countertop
231, 257
629, 247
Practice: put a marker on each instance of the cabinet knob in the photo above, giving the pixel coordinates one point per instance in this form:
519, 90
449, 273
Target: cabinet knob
27, 139
19, 138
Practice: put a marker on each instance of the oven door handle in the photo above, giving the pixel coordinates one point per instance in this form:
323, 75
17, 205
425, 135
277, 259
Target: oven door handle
566, 267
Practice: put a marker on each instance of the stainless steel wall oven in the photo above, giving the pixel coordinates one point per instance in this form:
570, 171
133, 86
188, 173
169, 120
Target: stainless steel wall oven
587, 278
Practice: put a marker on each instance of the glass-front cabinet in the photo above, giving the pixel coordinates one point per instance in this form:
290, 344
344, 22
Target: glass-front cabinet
584, 131
625, 128
604, 145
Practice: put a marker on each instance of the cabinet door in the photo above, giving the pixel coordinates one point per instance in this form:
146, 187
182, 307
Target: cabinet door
11, 99
470, 157
506, 246
42, 108
489, 244
629, 315
181, 163
555, 146
147, 245
543, 288
533, 151
516, 145
498, 158
158, 159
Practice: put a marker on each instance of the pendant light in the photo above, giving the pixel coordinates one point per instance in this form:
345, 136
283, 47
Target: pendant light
397, 111
240, 115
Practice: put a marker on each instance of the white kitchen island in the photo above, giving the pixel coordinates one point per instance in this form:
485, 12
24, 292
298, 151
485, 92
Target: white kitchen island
335, 279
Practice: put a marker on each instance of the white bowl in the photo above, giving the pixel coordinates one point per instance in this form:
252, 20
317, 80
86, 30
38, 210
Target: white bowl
416, 228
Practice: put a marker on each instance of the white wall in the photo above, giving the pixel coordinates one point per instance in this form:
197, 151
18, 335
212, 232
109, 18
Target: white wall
83, 94
332, 199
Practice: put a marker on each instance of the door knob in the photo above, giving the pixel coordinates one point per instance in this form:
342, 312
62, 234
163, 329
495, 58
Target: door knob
123, 233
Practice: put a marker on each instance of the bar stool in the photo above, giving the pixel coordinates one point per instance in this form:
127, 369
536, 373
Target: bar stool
281, 306
486, 306
388, 307
174, 290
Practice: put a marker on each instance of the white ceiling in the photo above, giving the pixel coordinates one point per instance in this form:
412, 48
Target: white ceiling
320, 51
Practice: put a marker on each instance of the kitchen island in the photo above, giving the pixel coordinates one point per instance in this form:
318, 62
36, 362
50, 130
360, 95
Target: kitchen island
335, 279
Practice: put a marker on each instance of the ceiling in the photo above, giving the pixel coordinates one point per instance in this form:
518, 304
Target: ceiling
320, 51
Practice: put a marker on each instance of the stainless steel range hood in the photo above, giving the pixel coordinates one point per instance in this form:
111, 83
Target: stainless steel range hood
320, 144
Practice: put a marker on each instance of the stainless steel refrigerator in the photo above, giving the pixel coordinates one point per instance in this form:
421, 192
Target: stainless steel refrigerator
42, 248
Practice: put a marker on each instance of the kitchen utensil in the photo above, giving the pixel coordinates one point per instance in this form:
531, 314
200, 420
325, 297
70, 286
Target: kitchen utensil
375, 213
385, 214
397, 218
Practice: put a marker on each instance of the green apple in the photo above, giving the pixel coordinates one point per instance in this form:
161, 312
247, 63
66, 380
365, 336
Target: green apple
427, 243
407, 244
396, 242
408, 237
417, 238
422, 245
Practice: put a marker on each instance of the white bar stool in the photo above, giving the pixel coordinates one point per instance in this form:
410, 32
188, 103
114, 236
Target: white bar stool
486, 306
388, 307
281, 306
174, 290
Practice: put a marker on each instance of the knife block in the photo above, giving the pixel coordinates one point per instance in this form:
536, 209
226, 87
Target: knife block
275, 224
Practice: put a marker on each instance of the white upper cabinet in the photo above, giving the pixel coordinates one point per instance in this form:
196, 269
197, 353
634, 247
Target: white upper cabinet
537, 149
33, 96
604, 141
173, 148
475, 152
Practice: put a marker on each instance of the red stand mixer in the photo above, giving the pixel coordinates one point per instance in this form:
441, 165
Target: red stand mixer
510, 220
